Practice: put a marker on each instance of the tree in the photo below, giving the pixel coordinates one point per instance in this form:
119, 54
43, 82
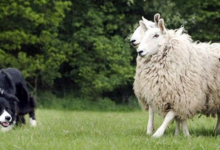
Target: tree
202, 19
100, 58
29, 38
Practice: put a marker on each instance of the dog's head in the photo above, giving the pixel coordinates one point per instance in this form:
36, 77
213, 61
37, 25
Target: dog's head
6, 114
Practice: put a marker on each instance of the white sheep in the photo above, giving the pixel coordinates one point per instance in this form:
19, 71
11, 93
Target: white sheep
180, 78
135, 41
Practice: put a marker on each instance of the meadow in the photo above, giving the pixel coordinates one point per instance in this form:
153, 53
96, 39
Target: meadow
91, 130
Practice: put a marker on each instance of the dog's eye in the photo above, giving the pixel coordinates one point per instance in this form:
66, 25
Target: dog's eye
156, 35
7, 109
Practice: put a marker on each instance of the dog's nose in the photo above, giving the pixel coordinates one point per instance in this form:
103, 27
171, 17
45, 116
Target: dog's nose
140, 52
8, 118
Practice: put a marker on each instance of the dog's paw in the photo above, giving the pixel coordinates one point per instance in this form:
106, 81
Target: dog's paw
33, 122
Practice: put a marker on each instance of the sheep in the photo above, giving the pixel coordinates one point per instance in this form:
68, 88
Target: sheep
180, 78
135, 40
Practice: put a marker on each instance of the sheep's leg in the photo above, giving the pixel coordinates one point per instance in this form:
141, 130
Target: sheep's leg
150, 125
185, 128
177, 130
218, 124
169, 116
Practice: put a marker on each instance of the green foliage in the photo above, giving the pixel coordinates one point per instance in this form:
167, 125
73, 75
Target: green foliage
101, 56
29, 39
202, 19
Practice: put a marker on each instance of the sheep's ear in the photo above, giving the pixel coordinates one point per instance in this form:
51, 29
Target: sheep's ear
143, 25
156, 19
144, 19
162, 26
180, 30
146, 22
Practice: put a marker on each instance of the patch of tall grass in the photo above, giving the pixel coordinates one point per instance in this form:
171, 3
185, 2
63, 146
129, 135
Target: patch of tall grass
51, 101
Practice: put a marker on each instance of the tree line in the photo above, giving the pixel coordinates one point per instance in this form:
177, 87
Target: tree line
82, 47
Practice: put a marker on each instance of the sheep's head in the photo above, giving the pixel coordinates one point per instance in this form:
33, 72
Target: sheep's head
137, 36
139, 32
152, 39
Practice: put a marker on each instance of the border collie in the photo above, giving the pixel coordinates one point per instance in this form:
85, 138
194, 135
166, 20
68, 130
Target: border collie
15, 99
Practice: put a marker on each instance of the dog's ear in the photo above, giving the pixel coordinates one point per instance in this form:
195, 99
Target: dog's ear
7, 82
14, 98
9, 96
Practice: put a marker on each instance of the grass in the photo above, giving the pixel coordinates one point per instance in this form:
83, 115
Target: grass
86, 130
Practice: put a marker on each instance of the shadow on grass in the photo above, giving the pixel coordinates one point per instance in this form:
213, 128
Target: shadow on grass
200, 132
204, 132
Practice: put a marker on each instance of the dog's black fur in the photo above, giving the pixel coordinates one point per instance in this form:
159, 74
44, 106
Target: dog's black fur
13, 89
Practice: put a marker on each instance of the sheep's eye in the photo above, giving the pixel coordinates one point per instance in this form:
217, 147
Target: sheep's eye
156, 35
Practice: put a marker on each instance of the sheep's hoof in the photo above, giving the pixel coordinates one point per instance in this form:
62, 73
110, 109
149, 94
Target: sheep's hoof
149, 132
157, 135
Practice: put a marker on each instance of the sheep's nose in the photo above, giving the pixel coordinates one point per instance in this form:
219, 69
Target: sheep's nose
140, 52
132, 42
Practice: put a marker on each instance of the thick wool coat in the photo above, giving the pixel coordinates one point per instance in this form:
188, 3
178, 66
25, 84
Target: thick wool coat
183, 76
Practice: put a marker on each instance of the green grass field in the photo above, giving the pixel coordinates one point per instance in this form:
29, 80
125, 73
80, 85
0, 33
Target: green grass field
86, 130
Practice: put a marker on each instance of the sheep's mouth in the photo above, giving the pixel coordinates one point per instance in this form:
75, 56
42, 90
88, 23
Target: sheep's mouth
4, 124
135, 45
144, 55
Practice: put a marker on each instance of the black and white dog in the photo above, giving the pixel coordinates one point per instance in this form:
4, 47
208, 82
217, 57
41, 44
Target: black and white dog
15, 99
